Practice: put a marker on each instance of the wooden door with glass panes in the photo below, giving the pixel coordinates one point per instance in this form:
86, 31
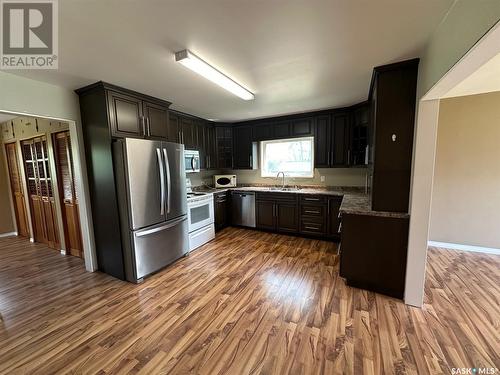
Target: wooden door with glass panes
67, 193
41, 197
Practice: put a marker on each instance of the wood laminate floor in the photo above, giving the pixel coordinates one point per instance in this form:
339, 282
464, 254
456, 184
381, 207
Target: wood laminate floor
247, 303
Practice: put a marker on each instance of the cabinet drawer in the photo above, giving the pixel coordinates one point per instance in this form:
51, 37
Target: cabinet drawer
277, 197
313, 199
312, 226
312, 210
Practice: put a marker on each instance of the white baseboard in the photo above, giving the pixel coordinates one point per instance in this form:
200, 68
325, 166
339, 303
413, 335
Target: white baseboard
9, 234
455, 246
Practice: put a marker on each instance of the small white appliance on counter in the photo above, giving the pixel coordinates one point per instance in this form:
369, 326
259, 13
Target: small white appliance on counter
200, 217
224, 180
192, 160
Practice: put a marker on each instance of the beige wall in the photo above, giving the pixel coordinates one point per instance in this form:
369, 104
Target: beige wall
463, 26
466, 193
6, 219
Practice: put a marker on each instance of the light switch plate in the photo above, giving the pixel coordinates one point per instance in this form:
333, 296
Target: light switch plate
322, 178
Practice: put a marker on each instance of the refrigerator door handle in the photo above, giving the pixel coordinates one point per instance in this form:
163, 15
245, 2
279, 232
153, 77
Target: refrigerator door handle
169, 187
162, 181
171, 224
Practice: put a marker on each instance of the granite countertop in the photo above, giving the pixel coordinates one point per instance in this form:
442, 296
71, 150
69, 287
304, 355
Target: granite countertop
355, 200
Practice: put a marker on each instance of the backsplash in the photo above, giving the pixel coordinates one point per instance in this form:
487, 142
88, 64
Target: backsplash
197, 179
333, 177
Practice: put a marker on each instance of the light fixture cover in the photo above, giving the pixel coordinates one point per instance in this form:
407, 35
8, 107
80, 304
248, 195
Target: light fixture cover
197, 65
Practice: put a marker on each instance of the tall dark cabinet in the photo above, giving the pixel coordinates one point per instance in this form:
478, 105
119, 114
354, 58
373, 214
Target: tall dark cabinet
376, 260
110, 112
393, 93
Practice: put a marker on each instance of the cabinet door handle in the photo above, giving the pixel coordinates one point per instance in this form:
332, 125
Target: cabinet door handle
340, 228
143, 122
311, 212
311, 199
148, 126
310, 227
349, 157
250, 158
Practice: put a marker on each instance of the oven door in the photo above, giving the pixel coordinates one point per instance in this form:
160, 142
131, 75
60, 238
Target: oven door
200, 213
192, 162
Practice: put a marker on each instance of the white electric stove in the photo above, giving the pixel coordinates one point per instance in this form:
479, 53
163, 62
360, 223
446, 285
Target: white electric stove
200, 217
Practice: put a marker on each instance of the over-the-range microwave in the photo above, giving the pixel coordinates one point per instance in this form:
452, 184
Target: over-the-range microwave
192, 160
225, 180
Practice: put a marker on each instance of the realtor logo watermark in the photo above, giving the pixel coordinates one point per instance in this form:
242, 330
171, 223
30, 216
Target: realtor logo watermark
29, 37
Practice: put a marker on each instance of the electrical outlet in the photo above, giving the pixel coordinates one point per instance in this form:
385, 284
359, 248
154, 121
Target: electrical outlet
322, 178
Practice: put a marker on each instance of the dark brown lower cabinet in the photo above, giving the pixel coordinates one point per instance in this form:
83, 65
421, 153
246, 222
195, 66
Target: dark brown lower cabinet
264, 212
373, 253
319, 215
287, 219
222, 209
333, 220
277, 212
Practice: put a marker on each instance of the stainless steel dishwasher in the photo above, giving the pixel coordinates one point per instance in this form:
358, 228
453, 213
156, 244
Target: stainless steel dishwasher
243, 208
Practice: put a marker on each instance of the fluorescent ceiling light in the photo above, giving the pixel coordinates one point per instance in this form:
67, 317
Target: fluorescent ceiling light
197, 65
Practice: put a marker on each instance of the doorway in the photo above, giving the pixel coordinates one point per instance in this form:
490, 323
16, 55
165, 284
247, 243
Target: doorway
40, 191
67, 193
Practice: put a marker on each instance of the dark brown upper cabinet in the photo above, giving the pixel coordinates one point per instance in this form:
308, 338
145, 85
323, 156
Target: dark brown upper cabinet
189, 132
263, 131
393, 93
360, 134
174, 134
302, 127
132, 114
340, 139
156, 117
281, 129
242, 147
210, 147
125, 115
224, 146
322, 148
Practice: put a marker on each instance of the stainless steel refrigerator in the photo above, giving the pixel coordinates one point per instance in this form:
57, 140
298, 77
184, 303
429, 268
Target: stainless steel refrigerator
151, 188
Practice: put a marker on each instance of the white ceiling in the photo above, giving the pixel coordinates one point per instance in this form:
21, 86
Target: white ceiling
294, 55
485, 79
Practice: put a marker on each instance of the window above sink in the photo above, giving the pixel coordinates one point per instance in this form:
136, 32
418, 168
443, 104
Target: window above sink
293, 156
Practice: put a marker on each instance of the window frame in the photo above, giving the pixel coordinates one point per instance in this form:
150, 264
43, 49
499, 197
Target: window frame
282, 140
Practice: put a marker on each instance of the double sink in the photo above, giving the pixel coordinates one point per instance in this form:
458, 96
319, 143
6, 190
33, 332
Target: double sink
274, 188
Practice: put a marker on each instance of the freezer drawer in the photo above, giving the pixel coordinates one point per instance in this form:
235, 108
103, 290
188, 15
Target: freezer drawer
159, 245
201, 236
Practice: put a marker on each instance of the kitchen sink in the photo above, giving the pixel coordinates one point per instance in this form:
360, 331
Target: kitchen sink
284, 189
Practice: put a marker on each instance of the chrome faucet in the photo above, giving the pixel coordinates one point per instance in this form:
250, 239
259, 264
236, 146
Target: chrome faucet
283, 182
